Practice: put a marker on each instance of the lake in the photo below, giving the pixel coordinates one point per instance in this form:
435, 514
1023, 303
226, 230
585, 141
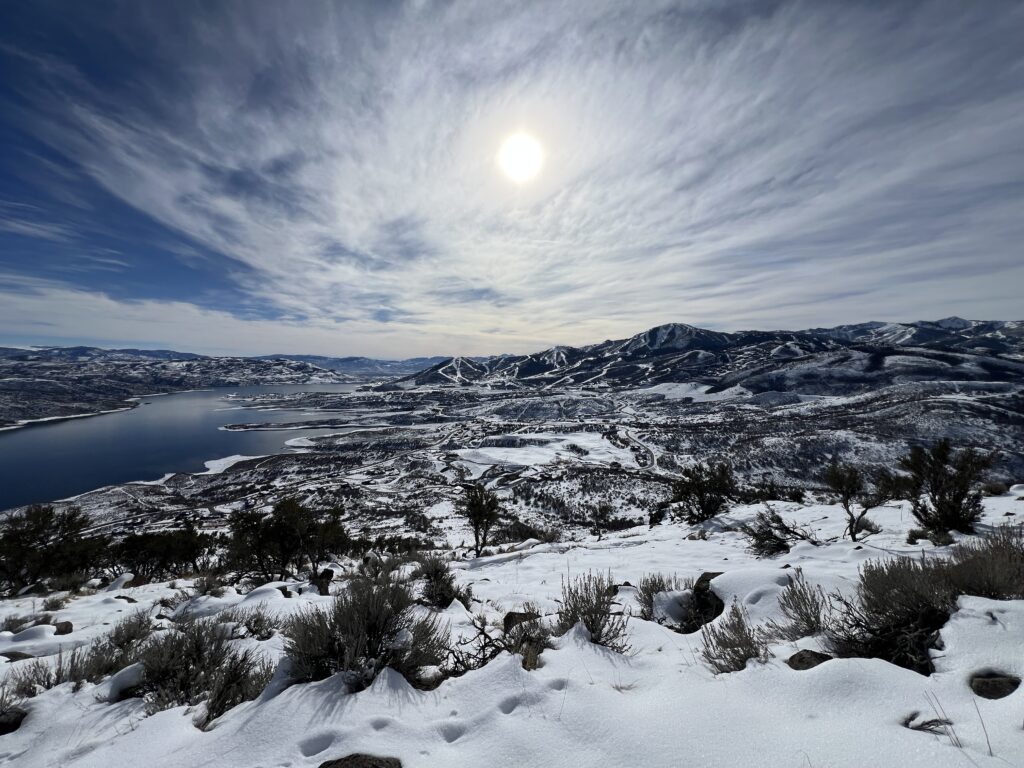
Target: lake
165, 433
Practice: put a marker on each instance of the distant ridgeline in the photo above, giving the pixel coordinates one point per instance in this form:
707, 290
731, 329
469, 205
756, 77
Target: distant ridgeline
844, 360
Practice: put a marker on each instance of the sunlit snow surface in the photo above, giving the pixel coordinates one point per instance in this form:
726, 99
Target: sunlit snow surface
586, 706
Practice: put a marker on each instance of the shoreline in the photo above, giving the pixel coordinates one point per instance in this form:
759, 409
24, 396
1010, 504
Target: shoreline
134, 402
50, 419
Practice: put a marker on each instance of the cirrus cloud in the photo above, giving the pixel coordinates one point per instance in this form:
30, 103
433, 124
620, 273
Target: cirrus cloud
752, 164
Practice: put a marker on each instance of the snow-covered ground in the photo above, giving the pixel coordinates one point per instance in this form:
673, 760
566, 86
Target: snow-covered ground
698, 393
658, 705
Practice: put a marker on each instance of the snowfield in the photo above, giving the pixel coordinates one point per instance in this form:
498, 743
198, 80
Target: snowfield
657, 706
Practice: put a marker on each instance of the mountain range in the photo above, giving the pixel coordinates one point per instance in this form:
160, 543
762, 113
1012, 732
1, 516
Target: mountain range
844, 359
354, 366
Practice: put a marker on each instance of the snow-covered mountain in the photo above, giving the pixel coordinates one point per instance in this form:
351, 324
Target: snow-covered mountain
94, 354
845, 358
70, 381
363, 366
953, 333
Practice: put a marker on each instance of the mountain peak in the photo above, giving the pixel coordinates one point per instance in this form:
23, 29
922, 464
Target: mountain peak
954, 323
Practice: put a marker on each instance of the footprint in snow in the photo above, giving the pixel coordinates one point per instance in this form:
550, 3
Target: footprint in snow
314, 745
508, 706
452, 731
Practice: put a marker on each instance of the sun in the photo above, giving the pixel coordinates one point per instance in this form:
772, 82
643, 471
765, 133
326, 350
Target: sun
521, 157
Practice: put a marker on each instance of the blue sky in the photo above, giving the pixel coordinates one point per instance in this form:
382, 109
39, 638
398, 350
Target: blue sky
316, 177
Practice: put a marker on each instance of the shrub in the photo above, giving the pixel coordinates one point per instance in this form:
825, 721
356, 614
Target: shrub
9, 701
995, 488
105, 656
55, 603
528, 638
15, 622
439, 588
151, 555
943, 486
196, 662
172, 602
11, 710
731, 642
32, 677
704, 490
513, 531
763, 537
769, 535
241, 677
40, 543
901, 604
939, 539
867, 525
806, 610
600, 515
255, 621
854, 489
209, 584
656, 516
369, 626
482, 509
72, 582
130, 630
768, 490
653, 584
286, 541
589, 599
991, 566
796, 494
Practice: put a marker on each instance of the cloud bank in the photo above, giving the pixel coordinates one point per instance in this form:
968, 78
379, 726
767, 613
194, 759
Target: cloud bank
731, 165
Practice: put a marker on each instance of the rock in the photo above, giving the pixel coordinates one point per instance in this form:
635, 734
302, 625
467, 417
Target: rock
126, 598
807, 659
16, 655
285, 591
515, 618
994, 685
363, 761
706, 605
10, 720
63, 628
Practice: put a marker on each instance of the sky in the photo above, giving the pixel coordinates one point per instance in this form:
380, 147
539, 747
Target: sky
315, 177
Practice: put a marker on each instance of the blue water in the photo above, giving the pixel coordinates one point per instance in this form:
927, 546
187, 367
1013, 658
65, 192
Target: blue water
166, 433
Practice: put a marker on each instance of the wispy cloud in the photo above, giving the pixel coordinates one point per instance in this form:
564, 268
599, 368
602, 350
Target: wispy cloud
756, 164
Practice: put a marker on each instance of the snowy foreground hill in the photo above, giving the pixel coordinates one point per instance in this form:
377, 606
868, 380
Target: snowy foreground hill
656, 705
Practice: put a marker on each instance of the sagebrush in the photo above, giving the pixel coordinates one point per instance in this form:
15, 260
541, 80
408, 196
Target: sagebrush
589, 599
731, 642
372, 625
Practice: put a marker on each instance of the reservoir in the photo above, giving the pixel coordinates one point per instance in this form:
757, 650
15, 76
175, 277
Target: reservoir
164, 433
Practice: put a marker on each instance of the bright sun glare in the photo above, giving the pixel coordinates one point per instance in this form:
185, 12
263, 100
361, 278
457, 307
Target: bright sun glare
520, 157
